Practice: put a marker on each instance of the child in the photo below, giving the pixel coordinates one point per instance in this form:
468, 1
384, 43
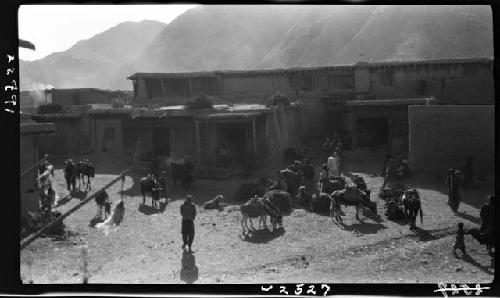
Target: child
459, 241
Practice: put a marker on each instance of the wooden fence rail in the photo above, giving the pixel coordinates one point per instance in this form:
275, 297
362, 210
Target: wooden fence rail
28, 240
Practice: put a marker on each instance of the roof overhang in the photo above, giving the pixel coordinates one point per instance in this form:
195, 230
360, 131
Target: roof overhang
388, 102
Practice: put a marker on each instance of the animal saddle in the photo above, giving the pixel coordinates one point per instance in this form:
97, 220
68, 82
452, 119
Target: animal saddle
351, 194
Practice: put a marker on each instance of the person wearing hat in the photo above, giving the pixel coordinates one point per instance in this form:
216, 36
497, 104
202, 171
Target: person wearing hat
188, 213
453, 186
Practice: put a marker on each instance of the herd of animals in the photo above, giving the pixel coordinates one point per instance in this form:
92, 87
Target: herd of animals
265, 198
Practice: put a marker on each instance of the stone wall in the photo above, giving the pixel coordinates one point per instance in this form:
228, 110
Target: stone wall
440, 137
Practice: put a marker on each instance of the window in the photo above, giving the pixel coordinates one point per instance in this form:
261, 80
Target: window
422, 87
153, 88
386, 78
109, 133
341, 81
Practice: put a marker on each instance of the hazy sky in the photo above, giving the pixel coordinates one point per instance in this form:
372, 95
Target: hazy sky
55, 28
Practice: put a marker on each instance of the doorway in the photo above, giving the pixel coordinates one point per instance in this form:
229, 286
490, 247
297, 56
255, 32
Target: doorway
161, 141
372, 133
231, 144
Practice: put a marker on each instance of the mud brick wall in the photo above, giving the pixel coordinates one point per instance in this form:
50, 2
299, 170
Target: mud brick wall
441, 137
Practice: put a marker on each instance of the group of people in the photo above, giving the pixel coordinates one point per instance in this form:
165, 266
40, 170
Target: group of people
394, 169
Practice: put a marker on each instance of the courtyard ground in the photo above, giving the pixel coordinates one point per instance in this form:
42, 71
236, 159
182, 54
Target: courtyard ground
146, 248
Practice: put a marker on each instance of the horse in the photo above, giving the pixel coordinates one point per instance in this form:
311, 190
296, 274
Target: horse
261, 208
332, 184
70, 175
350, 197
149, 184
103, 204
85, 168
412, 206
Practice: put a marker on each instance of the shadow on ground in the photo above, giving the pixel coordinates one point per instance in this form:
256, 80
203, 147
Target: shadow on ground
363, 227
189, 270
262, 236
150, 210
469, 259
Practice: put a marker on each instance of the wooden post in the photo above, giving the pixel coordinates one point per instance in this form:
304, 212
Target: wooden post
197, 130
34, 166
162, 88
25, 242
254, 138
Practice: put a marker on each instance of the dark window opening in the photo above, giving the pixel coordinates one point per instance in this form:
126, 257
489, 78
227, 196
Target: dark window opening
153, 88
209, 86
231, 145
422, 87
341, 81
372, 133
134, 84
109, 133
386, 78
177, 87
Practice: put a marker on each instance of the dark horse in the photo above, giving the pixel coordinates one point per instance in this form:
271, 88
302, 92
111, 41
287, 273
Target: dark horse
85, 168
70, 174
149, 184
182, 172
412, 206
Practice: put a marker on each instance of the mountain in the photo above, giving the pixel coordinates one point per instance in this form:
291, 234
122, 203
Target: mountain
218, 37
89, 63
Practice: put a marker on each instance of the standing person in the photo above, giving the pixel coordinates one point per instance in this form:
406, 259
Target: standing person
453, 185
390, 172
308, 175
188, 213
340, 163
332, 165
459, 241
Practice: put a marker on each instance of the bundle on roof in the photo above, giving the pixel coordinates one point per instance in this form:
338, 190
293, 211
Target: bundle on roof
201, 101
51, 108
277, 98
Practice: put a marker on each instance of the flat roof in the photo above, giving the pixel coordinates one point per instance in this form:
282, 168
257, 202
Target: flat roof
389, 63
389, 102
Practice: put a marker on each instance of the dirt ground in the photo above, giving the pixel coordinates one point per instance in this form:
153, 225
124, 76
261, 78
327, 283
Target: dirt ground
146, 248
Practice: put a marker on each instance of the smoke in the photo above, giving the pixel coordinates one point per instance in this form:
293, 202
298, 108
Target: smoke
38, 95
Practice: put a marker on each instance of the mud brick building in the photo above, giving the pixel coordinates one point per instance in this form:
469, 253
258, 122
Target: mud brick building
30, 136
367, 101
336, 98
